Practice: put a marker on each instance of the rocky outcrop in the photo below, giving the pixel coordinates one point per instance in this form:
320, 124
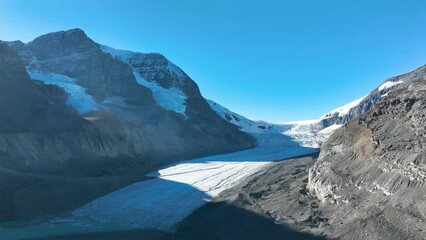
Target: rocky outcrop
375, 166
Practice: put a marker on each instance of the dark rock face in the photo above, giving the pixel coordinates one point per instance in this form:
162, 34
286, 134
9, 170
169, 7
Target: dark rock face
37, 129
40, 133
374, 169
154, 66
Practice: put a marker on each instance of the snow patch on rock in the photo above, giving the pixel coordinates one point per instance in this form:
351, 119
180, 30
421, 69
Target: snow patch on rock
343, 110
172, 99
389, 84
77, 96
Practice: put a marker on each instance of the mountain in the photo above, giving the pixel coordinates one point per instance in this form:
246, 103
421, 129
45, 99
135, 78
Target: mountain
145, 101
37, 129
73, 108
373, 168
307, 133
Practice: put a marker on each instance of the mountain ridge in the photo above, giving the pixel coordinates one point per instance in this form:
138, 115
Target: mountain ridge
312, 133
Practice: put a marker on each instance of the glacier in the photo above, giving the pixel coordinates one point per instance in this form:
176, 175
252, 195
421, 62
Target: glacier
179, 189
307, 133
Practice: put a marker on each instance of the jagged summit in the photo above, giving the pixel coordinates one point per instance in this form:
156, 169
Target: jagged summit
74, 32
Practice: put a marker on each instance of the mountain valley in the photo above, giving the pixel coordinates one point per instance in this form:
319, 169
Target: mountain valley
92, 136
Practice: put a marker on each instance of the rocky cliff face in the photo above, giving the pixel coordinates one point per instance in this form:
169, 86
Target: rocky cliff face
143, 107
357, 108
374, 167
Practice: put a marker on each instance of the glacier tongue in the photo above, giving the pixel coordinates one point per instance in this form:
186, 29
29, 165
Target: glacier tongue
181, 188
301, 133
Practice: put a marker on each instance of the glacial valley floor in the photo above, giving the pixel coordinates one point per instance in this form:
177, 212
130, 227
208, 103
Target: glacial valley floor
274, 203
278, 194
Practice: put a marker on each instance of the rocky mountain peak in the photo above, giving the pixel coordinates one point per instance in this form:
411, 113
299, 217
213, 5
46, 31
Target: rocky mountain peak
61, 44
75, 34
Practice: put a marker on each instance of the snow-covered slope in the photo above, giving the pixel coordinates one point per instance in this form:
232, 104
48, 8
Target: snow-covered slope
169, 97
389, 84
172, 99
360, 106
343, 110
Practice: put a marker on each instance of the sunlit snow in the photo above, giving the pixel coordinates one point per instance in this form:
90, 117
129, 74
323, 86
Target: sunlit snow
389, 84
343, 110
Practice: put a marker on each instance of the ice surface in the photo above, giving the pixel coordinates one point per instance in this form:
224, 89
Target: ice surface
181, 188
77, 96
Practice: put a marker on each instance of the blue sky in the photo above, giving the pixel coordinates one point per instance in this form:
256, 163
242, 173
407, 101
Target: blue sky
271, 60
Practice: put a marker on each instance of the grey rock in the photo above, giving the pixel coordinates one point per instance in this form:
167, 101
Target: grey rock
375, 166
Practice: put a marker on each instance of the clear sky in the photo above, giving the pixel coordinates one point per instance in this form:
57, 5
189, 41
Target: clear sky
272, 60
